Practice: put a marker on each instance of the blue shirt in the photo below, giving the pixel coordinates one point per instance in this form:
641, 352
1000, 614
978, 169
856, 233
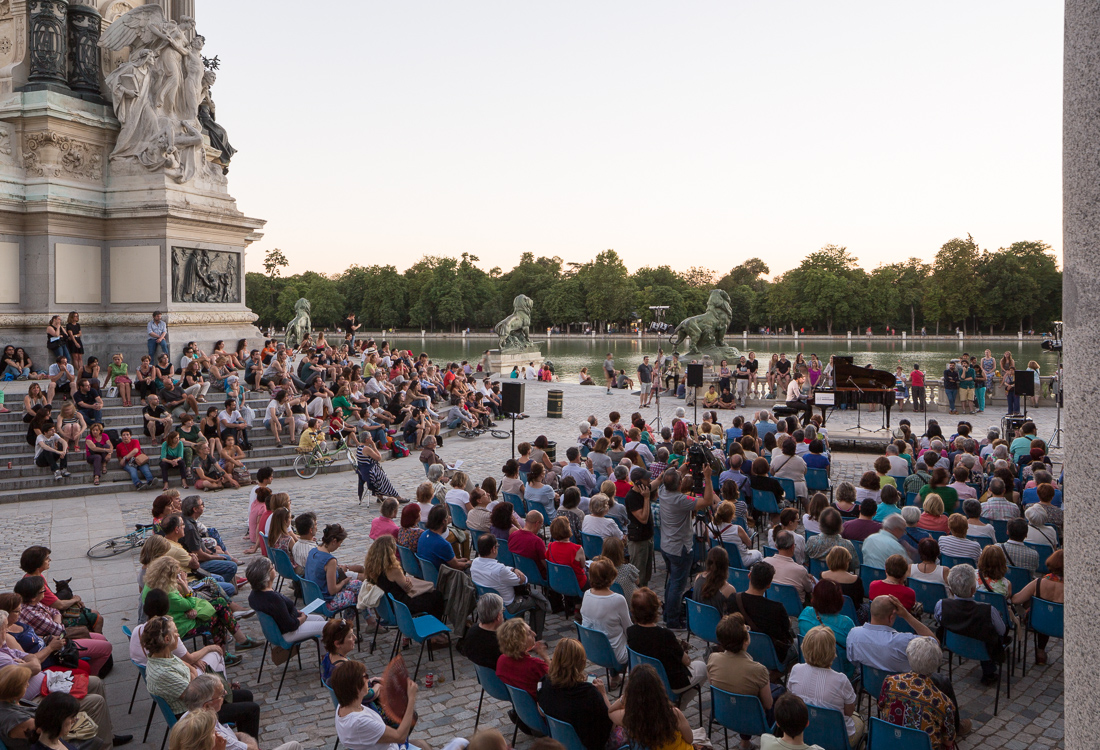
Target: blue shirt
816, 460
434, 548
840, 624
316, 561
879, 546
885, 510
879, 646
733, 433
763, 428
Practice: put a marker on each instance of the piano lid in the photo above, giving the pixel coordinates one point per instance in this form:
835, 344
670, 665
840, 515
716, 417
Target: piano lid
848, 375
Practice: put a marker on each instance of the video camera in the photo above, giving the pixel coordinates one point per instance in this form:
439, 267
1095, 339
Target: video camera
698, 456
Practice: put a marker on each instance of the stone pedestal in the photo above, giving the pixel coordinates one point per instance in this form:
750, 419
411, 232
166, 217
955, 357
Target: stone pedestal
81, 233
501, 363
1081, 311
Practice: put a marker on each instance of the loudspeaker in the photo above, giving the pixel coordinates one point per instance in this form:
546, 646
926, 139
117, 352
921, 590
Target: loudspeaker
1025, 383
695, 376
511, 397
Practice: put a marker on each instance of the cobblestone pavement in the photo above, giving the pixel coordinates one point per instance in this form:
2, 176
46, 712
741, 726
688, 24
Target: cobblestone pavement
1031, 719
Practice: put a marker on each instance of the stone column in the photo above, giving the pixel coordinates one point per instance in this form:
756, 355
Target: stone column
48, 41
84, 30
1081, 311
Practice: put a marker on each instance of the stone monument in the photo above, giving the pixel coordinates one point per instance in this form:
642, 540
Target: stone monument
298, 329
113, 195
514, 336
707, 332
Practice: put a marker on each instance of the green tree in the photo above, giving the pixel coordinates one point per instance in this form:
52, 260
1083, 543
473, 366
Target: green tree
608, 289
955, 279
563, 303
748, 274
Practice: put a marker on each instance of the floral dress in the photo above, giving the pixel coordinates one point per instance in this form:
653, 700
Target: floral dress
913, 700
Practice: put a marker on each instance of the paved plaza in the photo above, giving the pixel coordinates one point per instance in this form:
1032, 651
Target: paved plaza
1033, 718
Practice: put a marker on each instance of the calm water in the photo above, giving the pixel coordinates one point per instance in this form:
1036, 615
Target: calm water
570, 355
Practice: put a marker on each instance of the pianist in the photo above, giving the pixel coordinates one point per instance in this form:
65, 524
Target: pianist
796, 399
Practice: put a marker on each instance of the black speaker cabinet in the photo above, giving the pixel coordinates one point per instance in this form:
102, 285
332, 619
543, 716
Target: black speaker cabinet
1025, 383
511, 397
695, 376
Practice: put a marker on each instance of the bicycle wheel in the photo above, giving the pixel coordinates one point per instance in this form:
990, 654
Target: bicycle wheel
305, 467
350, 453
501, 434
116, 546
469, 434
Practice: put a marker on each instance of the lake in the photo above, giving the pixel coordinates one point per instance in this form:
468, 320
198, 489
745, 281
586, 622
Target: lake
569, 355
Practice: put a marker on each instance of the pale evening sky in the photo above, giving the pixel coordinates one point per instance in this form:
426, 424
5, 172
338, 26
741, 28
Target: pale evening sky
697, 133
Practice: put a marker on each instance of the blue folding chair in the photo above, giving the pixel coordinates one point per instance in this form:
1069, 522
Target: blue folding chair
274, 637
983, 540
848, 609
593, 545
564, 733
458, 516
311, 592
420, 629
515, 500
527, 710
285, 568
928, 593
764, 502
817, 480
732, 550
637, 658
882, 735
702, 621
1045, 551
788, 489
899, 480
1000, 529
950, 561
564, 580
770, 551
858, 547
429, 572
597, 647
912, 498
141, 670
739, 579
504, 554
1000, 603
490, 684
169, 715
786, 595
384, 615
335, 705
263, 543
935, 534
530, 570
826, 728
971, 648
1046, 618
817, 567
409, 561
867, 574
743, 714
762, 650
483, 590
871, 680
1018, 577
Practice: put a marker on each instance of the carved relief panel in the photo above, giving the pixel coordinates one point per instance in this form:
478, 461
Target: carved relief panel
205, 276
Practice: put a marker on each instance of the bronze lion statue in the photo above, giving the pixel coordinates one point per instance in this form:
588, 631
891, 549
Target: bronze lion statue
514, 331
707, 330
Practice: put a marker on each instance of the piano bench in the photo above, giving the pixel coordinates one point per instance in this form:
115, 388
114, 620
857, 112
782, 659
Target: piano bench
782, 410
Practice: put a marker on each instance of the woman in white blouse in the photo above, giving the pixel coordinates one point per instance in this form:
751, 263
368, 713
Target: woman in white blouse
597, 523
787, 465
604, 610
818, 683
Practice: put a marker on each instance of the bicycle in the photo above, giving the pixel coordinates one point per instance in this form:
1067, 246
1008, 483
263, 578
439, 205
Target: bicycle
120, 544
307, 465
472, 432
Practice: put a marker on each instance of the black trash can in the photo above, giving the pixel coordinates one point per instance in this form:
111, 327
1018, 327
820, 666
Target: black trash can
552, 451
554, 399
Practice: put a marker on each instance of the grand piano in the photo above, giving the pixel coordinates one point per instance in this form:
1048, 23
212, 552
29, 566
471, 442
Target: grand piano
856, 385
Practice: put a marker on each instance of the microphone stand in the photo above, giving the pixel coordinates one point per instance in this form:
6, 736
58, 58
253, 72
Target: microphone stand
859, 411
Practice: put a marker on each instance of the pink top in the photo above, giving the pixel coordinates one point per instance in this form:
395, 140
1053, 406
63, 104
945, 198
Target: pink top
933, 523
382, 526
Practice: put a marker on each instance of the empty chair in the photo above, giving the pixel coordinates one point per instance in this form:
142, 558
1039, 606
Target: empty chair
743, 714
817, 480
882, 735
490, 684
420, 629
788, 596
1045, 618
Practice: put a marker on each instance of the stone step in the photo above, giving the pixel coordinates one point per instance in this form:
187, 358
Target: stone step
15, 442
51, 490
23, 465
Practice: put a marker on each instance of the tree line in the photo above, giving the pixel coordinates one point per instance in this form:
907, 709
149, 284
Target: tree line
1010, 289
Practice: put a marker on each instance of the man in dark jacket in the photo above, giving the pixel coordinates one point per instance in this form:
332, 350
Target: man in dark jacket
967, 617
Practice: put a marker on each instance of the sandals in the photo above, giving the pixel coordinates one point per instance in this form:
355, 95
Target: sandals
95, 481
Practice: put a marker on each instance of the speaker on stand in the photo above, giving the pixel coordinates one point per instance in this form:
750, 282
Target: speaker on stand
511, 402
695, 380
1025, 386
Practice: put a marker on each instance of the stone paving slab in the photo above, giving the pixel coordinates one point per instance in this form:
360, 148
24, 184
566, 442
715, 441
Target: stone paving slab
1031, 719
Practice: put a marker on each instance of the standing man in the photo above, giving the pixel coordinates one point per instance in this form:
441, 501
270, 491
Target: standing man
639, 526
743, 373
951, 386
158, 336
916, 385
350, 327
753, 366
966, 385
783, 368
645, 381
609, 371
678, 538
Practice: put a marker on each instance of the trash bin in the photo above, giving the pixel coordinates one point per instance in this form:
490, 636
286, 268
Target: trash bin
552, 451
554, 400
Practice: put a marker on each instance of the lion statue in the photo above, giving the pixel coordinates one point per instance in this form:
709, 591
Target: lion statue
301, 326
514, 331
706, 331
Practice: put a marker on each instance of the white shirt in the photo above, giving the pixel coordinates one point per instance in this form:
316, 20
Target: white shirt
610, 616
898, 466
225, 418
794, 391
425, 509
642, 448
601, 527
52, 442
1045, 536
137, 653
493, 574
810, 524
457, 496
823, 687
362, 730
55, 369
275, 411
984, 530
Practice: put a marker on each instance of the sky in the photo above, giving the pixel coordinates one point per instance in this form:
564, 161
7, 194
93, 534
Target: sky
691, 133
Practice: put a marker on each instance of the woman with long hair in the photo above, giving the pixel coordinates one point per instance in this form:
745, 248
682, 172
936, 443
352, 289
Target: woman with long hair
566, 695
56, 341
712, 586
646, 714
382, 568
35, 397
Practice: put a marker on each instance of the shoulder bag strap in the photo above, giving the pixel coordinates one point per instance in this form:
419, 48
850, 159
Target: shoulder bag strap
744, 612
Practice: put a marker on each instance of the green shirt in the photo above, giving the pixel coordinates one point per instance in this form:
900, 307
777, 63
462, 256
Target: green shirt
168, 452
948, 494
967, 379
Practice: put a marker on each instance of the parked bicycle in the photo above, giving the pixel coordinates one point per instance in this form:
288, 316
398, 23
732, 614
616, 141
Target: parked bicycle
307, 465
473, 432
120, 544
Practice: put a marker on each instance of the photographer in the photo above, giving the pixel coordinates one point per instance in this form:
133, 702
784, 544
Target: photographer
677, 526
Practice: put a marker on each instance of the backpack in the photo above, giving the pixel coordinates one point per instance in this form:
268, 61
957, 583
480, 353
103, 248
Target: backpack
113, 436
399, 449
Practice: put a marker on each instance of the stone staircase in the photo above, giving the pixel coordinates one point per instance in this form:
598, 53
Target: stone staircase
25, 481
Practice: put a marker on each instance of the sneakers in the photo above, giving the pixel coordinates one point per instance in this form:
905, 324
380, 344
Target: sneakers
57, 475
65, 473
232, 660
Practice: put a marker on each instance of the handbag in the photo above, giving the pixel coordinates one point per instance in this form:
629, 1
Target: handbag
84, 727
69, 655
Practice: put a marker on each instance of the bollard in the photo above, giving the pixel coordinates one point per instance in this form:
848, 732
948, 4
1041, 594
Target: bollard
552, 451
554, 400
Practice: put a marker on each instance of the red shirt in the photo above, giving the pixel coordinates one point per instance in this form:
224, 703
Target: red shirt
123, 449
523, 673
621, 488
565, 553
525, 544
916, 379
905, 595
